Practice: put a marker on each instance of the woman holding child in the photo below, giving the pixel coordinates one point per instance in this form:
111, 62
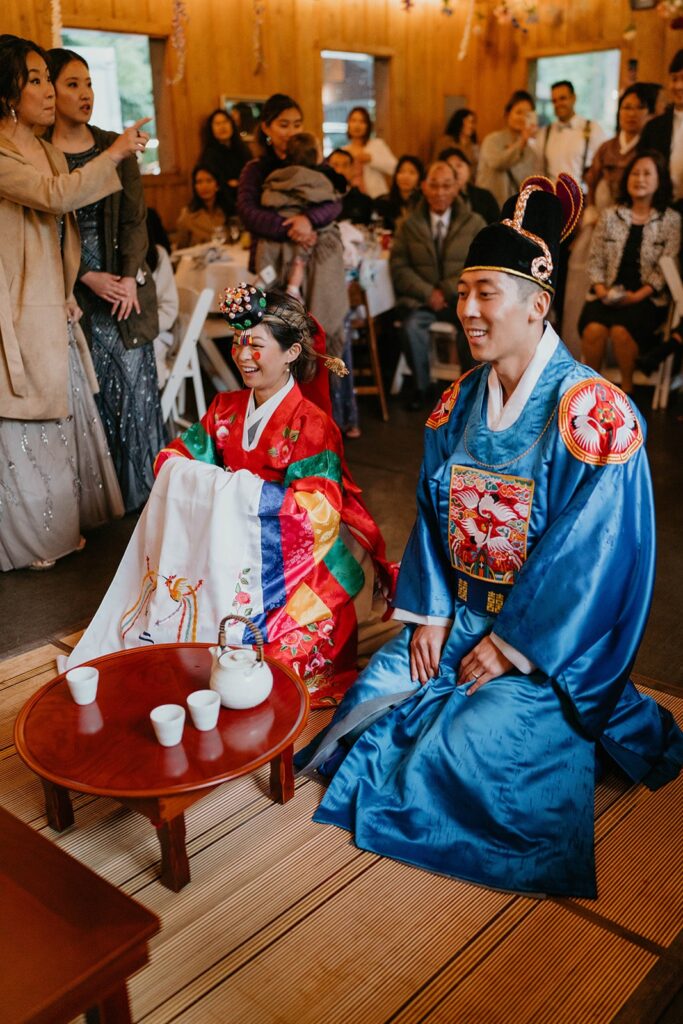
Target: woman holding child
281, 118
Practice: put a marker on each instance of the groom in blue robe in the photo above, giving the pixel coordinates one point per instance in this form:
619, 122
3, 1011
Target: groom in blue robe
468, 745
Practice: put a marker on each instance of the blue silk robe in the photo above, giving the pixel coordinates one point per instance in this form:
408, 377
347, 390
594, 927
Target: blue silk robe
542, 533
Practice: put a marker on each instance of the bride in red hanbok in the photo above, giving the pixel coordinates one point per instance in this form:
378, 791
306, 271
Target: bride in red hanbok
254, 511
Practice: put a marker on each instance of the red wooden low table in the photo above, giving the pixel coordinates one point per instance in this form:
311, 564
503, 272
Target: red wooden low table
68, 939
108, 748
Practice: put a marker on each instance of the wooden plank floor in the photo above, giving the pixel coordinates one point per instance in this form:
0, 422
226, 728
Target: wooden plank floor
286, 922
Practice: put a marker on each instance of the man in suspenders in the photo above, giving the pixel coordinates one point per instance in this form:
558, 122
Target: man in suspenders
567, 146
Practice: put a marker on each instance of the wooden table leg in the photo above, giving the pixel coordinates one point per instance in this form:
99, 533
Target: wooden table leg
175, 867
113, 1009
58, 807
282, 776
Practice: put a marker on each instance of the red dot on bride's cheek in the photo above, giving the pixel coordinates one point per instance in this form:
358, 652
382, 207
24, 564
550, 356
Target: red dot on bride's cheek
256, 355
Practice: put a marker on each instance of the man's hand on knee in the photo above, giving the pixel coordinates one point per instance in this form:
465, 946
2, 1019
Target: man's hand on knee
483, 663
425, 651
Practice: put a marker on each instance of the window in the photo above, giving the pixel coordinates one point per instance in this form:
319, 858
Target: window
123, 69
595, 77
348, 81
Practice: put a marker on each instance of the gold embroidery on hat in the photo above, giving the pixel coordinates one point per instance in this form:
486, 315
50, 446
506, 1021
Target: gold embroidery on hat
541, 266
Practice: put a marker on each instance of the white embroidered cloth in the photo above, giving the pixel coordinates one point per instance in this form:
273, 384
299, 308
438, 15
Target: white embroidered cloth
194, 557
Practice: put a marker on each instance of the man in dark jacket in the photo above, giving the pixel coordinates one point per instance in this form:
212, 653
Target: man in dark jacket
480, 200
356, 206
665, 133
427, 257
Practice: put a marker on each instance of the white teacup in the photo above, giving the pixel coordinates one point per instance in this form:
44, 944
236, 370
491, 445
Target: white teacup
204, 706
82, 683
168, 721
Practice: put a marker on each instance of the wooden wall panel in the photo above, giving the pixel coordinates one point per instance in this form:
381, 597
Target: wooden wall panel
422, 46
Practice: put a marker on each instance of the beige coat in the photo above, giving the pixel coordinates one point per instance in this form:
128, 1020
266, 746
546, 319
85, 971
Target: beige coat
36, 278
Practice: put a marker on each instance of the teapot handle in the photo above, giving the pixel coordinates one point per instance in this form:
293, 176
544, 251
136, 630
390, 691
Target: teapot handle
258, 635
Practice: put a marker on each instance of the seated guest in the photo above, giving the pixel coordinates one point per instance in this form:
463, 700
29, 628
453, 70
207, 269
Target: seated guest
508, 156
603, 179
254, 512
627, 300
314, 272
426, 259
373, 161
405, 192
225, 151
460, 133
468, 745
480, 200
207, 211
356, 205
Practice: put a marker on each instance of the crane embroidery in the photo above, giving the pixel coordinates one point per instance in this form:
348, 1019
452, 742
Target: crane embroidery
488, 523
597, 423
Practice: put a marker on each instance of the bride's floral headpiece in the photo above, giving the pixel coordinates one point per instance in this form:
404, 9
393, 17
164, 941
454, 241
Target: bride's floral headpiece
247, 305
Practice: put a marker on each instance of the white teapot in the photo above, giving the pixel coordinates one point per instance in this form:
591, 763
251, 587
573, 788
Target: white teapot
240, 676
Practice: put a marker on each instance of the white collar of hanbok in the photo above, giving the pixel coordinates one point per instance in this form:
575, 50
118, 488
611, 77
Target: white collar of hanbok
500, 416
258, 417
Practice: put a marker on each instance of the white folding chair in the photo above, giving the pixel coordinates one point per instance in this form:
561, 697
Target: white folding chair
443, 351
194, 308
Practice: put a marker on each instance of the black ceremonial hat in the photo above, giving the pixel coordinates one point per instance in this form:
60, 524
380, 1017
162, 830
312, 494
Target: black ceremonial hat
526, 242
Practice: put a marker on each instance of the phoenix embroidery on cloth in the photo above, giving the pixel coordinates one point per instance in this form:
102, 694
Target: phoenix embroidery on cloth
488, 523
597, 423
182, 593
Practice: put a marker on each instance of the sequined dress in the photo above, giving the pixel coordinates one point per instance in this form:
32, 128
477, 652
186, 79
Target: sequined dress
56, 478
128, 401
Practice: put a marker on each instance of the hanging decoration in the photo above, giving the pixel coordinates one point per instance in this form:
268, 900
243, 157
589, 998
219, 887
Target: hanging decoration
465, 41
518, 13
56, 22
178, 40
672, 10
259, 8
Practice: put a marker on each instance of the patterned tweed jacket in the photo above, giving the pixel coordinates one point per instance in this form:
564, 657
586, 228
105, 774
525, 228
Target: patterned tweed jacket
661, 237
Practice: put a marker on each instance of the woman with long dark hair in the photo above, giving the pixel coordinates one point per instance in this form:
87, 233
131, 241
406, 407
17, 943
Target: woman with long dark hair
224, 149
404, 194
56, 474
374, 162
208, 210
114, 285
460, 133
281, 118
627, 300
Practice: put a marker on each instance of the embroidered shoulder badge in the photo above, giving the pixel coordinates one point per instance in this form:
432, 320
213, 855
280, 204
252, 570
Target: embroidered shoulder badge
442, 410
597, 423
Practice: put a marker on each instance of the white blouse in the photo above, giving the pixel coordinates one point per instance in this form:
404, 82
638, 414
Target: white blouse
381, 166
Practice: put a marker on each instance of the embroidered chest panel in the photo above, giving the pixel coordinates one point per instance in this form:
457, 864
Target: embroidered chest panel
488, 523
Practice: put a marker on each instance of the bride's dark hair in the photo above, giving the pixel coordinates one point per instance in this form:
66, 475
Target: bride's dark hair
289, 322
